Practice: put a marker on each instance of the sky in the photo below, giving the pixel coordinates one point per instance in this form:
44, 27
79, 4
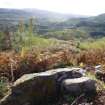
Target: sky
82, 7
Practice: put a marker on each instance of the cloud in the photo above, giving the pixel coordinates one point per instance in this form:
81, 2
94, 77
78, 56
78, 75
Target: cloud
85, 7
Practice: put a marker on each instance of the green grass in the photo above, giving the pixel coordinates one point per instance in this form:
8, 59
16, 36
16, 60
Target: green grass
3, 87
38, 44
67, 34
42, 42
31, 40
96, 44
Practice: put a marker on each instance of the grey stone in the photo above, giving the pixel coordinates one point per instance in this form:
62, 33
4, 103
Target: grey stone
45, 87
77, 86
39, 88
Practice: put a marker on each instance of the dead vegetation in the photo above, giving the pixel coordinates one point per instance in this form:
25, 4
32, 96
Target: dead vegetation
12, 64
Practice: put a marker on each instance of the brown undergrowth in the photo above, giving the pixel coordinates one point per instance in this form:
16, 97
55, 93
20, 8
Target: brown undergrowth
32, 62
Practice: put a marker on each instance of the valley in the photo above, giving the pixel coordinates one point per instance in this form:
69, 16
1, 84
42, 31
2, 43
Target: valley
59, 55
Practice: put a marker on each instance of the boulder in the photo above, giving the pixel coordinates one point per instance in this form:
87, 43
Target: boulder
78, 86
39, 88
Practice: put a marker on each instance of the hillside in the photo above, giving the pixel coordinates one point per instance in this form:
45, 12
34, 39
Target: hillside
10, 17
91, 27
14, 15
48, 58
54, 25
94, 26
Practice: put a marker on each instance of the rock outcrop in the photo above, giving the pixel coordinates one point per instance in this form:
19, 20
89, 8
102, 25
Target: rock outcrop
78, 86
45, 87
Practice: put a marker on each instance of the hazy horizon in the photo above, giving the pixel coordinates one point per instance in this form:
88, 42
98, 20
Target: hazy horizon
80, 7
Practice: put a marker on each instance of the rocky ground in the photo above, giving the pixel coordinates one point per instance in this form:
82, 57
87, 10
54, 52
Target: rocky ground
63, 86
58, 86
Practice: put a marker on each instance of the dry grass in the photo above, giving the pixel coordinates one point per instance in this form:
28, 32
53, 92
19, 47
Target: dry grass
13, 65
31, 62
38, 62
92, 56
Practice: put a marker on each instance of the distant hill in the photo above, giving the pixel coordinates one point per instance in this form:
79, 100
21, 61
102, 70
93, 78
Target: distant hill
80, 28
51, 16
50, 24
13, 15
95, 26
43, 19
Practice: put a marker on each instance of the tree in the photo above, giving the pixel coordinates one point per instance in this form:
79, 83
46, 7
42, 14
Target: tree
6, 40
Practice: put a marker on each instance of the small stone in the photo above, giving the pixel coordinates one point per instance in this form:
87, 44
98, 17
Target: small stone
77, 86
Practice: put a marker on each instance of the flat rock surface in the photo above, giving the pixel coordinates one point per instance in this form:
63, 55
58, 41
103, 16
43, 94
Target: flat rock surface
76, 80
45, 87
77, 86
